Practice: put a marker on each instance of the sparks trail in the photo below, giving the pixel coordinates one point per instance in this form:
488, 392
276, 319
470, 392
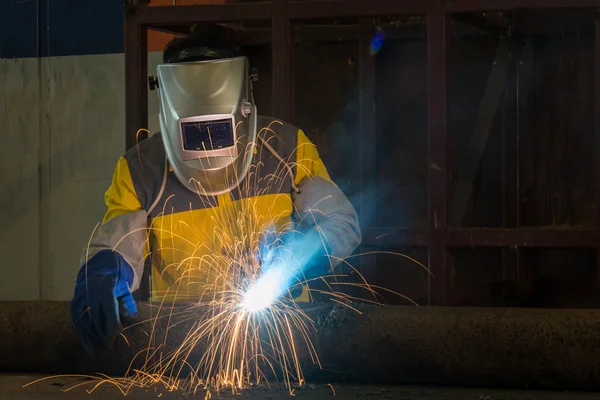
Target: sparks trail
240, 345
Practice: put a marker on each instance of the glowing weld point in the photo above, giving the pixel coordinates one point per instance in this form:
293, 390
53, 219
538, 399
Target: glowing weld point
265, 291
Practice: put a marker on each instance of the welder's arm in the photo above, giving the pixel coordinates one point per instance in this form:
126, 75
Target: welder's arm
111, 266
327, 223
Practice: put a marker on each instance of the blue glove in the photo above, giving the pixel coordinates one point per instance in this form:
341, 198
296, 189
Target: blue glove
103, 303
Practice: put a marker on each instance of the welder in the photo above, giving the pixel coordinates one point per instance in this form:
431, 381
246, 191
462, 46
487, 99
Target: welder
168, 191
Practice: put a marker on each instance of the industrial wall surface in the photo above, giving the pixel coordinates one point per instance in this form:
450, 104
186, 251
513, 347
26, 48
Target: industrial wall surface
63, 118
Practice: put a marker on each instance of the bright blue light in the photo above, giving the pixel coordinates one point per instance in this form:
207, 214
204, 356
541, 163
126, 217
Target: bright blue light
265, 291
282, 263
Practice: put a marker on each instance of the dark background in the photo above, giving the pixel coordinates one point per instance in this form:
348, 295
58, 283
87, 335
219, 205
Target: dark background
536, 168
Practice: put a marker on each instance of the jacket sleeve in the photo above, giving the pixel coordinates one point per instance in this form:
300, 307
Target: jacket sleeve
321, 208
124, 226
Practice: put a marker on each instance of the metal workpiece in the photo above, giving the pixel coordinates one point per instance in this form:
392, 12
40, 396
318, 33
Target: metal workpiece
518, 348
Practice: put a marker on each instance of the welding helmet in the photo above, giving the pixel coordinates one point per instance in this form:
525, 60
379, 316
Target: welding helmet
207, 115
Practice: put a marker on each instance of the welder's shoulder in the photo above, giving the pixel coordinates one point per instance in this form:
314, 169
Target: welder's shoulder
146, 162
148, 156
284, 133
283, 129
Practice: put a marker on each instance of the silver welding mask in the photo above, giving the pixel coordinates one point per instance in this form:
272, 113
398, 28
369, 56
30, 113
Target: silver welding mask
208, 122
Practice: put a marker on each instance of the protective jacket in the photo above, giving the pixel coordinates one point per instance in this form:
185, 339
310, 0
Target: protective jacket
151, 213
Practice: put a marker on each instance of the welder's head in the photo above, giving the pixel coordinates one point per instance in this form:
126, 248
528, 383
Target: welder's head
207, 42
207, 111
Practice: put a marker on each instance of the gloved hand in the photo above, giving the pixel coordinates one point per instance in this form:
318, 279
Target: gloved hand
303, 253
309, 251
103, 303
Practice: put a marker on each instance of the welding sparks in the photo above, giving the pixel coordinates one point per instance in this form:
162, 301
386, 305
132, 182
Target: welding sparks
240, 310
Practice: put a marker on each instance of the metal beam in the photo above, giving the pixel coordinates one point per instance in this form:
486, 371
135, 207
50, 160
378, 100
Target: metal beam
136, 72
305, 33
597, 141
495, 5
239, 12
173, 30
438, 38
281, 53
524, 237
358, 8
136, 99
185, 15
511, 257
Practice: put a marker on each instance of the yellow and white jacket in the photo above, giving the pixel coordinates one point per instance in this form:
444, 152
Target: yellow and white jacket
150, 213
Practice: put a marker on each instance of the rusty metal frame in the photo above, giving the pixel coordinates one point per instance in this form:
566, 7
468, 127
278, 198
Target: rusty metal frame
438, 237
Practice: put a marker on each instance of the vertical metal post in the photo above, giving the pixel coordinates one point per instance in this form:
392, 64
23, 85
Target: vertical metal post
136, 73
437, 48
366, 71
597, 149
510, 179
281, 60
526, 127
136, 100
292, 73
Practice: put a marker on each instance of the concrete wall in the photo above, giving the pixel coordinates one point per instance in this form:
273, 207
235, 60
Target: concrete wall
63, 122
19, 179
